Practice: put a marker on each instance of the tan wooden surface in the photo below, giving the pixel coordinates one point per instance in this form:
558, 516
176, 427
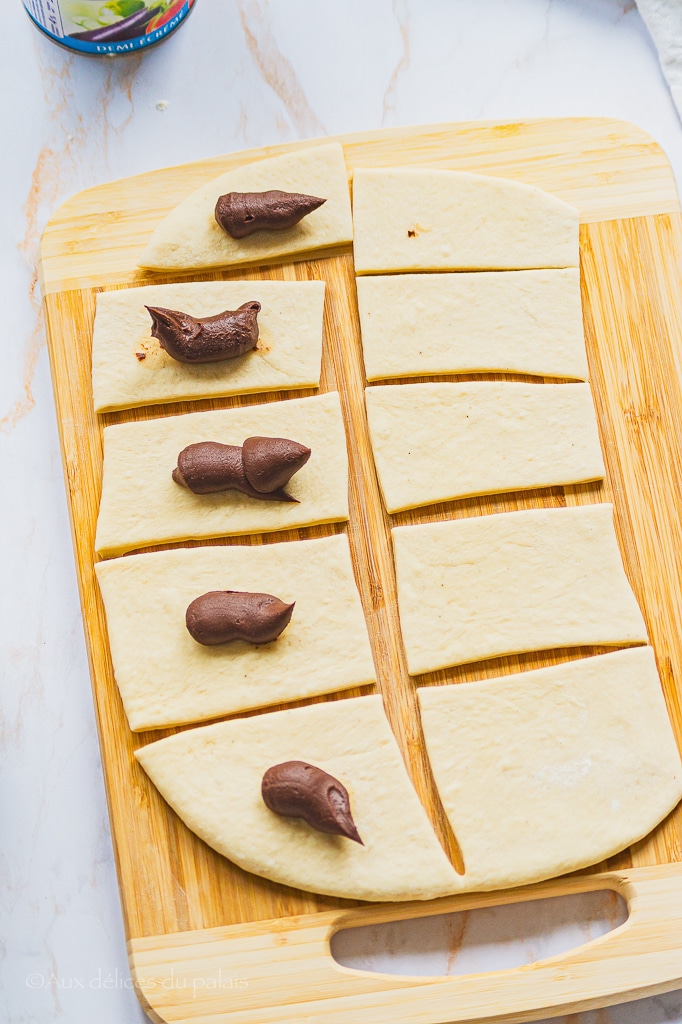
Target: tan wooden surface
171, 883
247, 974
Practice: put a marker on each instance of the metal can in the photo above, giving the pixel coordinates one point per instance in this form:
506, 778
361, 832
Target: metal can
108, 27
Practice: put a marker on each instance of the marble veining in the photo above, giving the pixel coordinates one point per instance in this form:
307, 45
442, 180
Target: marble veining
401, 14
241, 73
277, 70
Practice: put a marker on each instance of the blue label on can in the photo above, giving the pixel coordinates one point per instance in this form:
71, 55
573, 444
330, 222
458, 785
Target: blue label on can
108, 26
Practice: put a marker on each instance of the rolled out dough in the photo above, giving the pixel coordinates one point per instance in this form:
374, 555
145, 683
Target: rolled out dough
436, 442
141, 505
189, 236
551, 770
487, 586
166, 678
522, 321
212, 776
408, 218
288, 355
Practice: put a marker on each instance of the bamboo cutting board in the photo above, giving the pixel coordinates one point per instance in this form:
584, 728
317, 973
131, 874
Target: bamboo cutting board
211, 943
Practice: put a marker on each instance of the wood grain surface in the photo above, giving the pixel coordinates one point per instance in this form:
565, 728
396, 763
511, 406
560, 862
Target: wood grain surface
175, 890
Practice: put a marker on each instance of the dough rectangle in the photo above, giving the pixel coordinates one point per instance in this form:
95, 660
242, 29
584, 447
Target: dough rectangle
166, 678
141, 505
288, 355
520, 321
548, 771
487, 586
436, 442
189, 237
409, 218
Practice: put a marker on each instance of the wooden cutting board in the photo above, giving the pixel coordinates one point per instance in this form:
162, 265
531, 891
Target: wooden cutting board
211, 943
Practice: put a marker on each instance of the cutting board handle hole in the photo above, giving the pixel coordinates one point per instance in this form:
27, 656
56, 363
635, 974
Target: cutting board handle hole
468, 941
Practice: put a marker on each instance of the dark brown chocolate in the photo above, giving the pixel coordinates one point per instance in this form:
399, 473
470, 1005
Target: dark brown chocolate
208, 339
260, 469
225, 615
242, 213
296, 789
208, 467
270, 462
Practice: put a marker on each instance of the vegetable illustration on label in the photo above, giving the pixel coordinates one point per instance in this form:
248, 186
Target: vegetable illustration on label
108, 26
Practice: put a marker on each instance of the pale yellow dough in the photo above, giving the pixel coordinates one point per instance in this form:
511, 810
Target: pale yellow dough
212, 777
166, 678
436, 442
522, 321
141, 504
487, 586
409, 218
190, 238
549, 771
288, 355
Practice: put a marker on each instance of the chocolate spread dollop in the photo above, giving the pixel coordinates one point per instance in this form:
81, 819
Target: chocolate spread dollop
296, 789
224, 615
242, 213
261, 468
270, 462
208, 339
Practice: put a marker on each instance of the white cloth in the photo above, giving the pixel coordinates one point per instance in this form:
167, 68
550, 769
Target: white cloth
663, 18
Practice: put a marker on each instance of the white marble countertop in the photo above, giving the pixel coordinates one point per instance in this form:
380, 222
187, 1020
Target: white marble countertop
262, 71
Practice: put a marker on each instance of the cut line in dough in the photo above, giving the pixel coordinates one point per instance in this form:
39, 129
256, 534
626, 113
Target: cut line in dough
141, 505
552, 770
129, 367
166, 678
436, 442
487, 586
190, 238
408, 218
520, 321
211, 776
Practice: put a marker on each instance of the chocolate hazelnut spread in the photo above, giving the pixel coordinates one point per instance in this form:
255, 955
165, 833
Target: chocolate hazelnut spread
243, 213
270, 462
225, 615
296, 789
208, 339
208, 467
